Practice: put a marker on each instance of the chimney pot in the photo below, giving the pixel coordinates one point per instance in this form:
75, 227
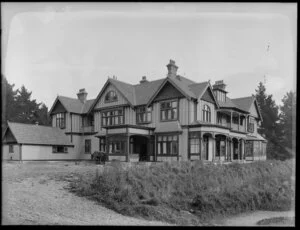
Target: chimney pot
172, 69
82, 94
144, 79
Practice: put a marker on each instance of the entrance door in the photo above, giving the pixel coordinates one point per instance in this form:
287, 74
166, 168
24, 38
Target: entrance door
143, 152
235, 150
205, 148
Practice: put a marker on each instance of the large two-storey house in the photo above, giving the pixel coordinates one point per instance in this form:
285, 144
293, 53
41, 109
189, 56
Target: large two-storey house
173, 118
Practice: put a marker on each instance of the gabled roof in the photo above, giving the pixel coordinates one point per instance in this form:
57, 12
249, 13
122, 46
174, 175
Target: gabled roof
73, 105
38, 134
146, 90
198, 88
245, 104
127, 90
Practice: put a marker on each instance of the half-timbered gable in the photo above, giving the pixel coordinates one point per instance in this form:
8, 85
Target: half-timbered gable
168, 91
111, 97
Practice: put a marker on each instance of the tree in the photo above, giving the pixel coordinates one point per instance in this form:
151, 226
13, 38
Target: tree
269, 111
18, 107
288, 119
271, 128
8, 101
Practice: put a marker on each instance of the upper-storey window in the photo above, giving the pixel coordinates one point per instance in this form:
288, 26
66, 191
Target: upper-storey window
168, 110
206, 113
113, 117
111, 96
143, 114
61, 120
251, 125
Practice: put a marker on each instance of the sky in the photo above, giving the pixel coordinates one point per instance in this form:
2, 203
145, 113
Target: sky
57, 49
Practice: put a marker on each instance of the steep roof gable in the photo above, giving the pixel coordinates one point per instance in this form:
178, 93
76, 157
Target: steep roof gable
72, 105
245, 103
126, 90
145, 91
38, 134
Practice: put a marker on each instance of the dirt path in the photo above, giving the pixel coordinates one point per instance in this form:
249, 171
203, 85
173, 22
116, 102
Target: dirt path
250, 219
38, 199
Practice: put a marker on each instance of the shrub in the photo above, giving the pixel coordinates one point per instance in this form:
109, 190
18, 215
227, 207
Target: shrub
208, 189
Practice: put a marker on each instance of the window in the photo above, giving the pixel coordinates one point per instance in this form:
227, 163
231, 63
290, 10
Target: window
167, 145
102, 144
116, 147
206, 113
91, 120
220, 146
219, 118
251, 125
59, 149
194, 140
143, 114
11, 148
235, 120
111, 96
168, 110
60, 120
113, 117
87, 146
241, 120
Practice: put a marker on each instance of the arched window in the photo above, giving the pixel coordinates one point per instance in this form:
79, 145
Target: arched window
206, 113
111, 96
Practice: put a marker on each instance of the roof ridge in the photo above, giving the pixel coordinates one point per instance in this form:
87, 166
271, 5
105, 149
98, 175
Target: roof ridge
120, 81
67, 97
149, 82
13, 122
243, 97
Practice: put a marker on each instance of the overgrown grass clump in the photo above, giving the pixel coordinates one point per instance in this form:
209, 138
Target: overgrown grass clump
162, 191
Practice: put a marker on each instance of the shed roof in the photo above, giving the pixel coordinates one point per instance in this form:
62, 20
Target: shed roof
38, 134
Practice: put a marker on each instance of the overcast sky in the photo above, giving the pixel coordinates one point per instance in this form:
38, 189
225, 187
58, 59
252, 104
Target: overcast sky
59, 48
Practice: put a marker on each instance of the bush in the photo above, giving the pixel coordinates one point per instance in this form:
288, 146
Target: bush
208, 189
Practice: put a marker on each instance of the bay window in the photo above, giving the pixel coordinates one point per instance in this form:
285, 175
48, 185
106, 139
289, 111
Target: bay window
194, 143
167, 145
113, 117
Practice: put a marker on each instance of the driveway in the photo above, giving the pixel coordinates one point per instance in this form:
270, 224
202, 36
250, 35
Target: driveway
37, 194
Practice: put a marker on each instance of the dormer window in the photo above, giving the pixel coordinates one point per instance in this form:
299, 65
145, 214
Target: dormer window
111, 96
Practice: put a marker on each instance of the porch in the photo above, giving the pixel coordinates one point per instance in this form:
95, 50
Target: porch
127, 143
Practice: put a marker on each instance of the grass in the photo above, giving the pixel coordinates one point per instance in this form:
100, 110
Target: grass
190, 193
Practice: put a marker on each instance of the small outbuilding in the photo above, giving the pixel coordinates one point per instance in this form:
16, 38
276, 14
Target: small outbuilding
35, 142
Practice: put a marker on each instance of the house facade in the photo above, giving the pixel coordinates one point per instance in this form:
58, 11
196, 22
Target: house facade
170, 119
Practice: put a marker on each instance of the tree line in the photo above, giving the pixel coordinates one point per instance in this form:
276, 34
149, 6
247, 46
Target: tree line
17, 106
278, 124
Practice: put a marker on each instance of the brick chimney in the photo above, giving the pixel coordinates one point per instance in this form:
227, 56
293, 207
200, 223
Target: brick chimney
172, 69
219, 85
82, 95
144, 80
